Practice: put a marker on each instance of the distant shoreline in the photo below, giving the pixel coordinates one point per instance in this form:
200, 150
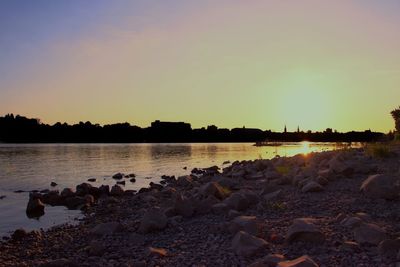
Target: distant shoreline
19, 129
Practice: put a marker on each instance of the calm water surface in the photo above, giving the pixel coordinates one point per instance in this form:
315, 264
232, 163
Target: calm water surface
34, 166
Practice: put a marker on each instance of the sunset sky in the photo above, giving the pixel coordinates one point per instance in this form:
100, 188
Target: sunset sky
263, 64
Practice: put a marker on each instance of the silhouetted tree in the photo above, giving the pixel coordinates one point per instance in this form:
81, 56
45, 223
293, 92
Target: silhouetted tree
396, 116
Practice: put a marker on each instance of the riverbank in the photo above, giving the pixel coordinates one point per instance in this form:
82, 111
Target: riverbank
331, 206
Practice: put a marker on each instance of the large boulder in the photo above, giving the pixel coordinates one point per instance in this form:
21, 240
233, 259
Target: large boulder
369, 233
153, 220
303, 261
246, 245
248, 224
213, 189
384, 186
107, 229
303, 229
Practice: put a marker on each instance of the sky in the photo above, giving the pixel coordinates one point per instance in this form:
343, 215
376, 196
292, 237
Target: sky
262, 64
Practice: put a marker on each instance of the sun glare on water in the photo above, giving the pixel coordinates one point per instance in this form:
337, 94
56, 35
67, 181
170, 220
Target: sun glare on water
305, 147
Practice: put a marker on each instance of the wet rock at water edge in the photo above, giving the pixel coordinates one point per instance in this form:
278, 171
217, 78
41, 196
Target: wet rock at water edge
118, 176
2, 197
121, 182
53, 184
91, 180
67, 192
35, 207
132, 180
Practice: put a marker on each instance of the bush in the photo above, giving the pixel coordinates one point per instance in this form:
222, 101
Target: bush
378, 150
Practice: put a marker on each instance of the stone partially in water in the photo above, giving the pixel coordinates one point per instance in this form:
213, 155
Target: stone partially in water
35, 208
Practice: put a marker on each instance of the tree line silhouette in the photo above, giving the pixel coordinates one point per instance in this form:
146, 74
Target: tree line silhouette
19, 129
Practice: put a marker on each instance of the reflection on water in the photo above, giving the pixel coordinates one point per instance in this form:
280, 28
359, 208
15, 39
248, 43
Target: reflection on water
35, 166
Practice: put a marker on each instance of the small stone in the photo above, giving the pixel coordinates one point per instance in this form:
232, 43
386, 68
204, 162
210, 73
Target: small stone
303, 261
160, 252
91, 180
53, 184
350, 246
19, 234
118, 176
312, 187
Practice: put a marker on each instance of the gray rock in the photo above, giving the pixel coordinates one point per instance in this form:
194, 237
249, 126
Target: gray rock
304, 230
381, 186
246, 245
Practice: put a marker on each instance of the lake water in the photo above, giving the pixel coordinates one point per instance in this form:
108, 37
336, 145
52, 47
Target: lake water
34, 166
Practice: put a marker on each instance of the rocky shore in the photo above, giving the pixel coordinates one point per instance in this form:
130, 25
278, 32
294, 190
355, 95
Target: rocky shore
336, 208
